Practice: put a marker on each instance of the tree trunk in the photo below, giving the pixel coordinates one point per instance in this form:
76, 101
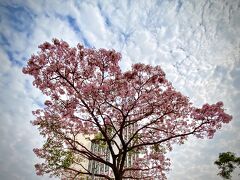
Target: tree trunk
118, 175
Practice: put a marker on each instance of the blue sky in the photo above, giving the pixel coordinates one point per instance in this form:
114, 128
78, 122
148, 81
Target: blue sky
197, 43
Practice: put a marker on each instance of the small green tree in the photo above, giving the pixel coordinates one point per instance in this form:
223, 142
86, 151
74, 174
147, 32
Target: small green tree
227, 162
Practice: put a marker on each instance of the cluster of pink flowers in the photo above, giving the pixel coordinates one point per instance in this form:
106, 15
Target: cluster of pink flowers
90, 94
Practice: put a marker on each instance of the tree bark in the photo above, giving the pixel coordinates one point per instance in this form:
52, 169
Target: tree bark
118, 175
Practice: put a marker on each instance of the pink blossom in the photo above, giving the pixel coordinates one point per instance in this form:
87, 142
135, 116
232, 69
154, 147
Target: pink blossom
90, 95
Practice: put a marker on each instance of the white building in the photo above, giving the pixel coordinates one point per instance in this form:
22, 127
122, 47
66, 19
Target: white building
95, 167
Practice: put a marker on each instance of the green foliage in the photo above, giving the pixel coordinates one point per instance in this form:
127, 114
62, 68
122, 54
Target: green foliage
98, 136
99, 139
227, 162
68, 159
58, 157
156, 147
132, 152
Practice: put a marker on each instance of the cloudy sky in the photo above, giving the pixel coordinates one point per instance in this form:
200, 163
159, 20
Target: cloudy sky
197, 43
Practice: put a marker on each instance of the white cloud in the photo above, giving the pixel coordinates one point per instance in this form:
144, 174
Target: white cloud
5, 63
18, 137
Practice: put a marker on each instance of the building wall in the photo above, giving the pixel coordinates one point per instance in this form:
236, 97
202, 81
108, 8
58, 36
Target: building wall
97, 167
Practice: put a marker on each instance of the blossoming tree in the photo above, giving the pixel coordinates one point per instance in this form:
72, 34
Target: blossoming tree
89, 94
